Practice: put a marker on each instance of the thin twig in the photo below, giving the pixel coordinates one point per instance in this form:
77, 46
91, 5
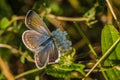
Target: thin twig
6, 70
111, 9
16, 18
103, 57
14, 50
114, 16
26, 73
67, 18
86, 39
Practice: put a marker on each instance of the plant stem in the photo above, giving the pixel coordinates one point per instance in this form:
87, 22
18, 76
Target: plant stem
14, 50
103, 57
26, 73
67, 18
111, 9
114, 16
15, 19
85, 38
4, 67
91, 48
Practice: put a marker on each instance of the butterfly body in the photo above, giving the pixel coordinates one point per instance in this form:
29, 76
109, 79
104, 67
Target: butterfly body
47, 41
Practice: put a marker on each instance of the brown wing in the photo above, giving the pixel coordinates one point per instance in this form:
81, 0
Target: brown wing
41, 58
49, 54
33, 39
33, 21
53, 55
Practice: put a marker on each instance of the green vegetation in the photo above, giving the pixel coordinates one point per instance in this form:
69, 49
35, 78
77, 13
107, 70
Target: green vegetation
92, 26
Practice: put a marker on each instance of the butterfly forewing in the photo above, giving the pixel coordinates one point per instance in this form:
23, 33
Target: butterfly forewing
33, 39
33, 21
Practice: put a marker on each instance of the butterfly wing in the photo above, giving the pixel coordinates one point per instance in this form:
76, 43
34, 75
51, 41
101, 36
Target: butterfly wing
33, 21
32, 39
53, 55
49, 54
41, 58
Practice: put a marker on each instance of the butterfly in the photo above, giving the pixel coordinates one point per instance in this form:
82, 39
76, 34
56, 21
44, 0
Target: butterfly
39, 40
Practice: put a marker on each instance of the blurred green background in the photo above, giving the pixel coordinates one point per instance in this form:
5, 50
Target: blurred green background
84, 21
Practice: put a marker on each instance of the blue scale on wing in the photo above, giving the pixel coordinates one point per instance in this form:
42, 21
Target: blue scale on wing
48, 54
53, 51
45, 40
42, 57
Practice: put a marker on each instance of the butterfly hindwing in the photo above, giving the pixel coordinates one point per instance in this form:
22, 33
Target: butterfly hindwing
42, 56
53, 55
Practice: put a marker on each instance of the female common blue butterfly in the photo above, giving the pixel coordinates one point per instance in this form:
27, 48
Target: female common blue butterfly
39, 40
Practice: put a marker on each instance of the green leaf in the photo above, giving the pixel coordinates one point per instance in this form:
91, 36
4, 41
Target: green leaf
22, 58
4, 23
55, 7
90, 14
109, 36
66, 71
37, 77
66, 68
73, 53
2, 77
